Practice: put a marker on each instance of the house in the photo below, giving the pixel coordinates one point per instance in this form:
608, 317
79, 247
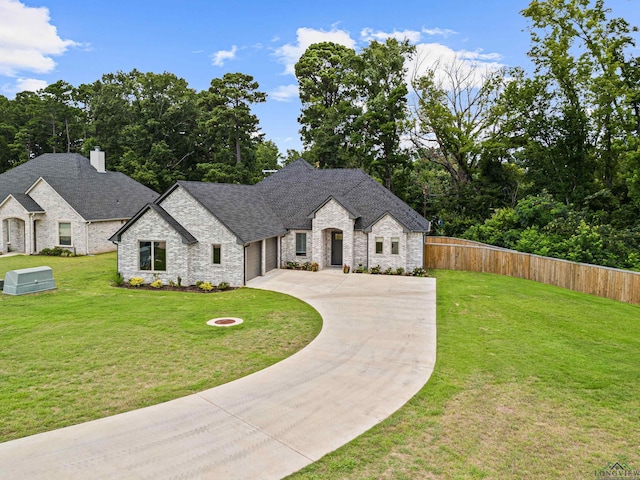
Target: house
233, 233
66, 200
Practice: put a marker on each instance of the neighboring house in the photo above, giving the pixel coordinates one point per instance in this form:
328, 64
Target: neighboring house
66, 200
233, 233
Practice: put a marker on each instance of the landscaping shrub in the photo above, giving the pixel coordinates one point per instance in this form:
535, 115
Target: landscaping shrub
223, 286
157, 283
206, 286
136, 281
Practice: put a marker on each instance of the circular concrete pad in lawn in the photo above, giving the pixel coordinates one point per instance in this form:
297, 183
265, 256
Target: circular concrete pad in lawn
224, 322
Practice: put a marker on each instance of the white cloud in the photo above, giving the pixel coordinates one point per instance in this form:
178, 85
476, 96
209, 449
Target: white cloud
30, 84
445, 32
222, 56
289, 54
284, 93
412, 35
27, 39
438, 57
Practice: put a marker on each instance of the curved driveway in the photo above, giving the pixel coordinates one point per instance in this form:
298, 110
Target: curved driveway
375, 351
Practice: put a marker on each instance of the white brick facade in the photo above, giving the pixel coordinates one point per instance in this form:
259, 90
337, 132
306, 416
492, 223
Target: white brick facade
190, 262
332, 217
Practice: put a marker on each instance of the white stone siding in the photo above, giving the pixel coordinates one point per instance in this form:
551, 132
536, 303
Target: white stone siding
387, 228
57, 211
206, 228
332, 216
360, 249
151, 227
288, 245
15, 223
99, 234
415, 250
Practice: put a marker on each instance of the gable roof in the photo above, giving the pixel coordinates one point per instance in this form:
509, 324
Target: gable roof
94, 195
187, 238
298, 190
241, 208
28, 203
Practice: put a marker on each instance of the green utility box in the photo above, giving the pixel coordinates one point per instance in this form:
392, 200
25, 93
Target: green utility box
28, 280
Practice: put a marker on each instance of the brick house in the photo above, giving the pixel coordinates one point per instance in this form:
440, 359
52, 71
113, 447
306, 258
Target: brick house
66, 200
233, 233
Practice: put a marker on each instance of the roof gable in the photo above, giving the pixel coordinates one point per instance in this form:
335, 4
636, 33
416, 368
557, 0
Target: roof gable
24, 200
94, 195
187, 238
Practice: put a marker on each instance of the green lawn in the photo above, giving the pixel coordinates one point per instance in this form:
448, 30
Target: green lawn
88, 350
531, 382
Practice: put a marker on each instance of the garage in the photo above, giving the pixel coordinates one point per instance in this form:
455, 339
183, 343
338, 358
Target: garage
271, 256
253, 260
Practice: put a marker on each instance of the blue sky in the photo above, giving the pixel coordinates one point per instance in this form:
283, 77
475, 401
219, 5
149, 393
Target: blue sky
42, 41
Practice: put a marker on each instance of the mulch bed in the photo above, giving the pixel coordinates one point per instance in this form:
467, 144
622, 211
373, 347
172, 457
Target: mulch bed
189, 288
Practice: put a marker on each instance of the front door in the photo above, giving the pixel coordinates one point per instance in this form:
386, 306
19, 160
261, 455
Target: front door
336, 248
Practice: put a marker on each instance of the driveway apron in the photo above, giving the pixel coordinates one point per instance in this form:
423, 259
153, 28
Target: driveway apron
376, 349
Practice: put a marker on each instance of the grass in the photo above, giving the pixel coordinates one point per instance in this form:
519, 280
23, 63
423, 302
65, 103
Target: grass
88, 350
531, 381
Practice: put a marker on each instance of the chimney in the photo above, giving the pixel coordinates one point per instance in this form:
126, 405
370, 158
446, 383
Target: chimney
97, 160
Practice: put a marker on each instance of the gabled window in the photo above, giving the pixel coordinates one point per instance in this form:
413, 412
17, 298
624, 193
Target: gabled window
152, 256
379, 245
395, 245
216, 255
301, 244
64, 234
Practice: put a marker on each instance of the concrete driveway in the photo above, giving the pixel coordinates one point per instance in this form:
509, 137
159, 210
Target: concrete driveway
376, 349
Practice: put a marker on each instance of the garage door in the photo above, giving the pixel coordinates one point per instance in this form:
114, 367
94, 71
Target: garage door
271, 259
253, 260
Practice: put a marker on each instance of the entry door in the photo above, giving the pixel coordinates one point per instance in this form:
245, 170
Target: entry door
336, 248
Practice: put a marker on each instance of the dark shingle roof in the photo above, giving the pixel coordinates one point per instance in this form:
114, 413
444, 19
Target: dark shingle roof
298, 190
241, 208
183, 232
95, 196
29, 204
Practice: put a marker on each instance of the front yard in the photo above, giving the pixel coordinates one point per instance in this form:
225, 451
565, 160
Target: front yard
87, 350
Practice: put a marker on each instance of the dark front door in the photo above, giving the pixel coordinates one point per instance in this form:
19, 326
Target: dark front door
336, 248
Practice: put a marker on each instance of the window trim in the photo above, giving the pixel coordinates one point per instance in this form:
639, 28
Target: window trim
379, 241
301, 253
395, 241
152, 255
215, 246
65, 222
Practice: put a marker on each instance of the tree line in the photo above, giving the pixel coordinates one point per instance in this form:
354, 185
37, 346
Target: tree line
546, 161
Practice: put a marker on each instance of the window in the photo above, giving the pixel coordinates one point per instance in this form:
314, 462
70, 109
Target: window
395, 245
217, 255
301, 243
64, 234
379, 243
153, 256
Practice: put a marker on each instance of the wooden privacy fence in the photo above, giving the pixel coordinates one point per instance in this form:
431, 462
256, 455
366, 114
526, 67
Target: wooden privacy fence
457, 254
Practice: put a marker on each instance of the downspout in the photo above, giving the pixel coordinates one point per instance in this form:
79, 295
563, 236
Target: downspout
31, 239
86, 232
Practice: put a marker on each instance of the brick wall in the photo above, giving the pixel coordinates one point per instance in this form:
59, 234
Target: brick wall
387, 228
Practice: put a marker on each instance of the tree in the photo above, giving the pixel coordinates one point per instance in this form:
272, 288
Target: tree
385, 117
326, 79
584, 56
230, 132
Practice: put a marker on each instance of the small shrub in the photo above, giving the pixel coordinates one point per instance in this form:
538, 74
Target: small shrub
292, 265
360, 268
118, 280
198, 283
346, 268
399, 271
306, 266
136, 281
157, 284
172, 283
54, 252
205, 286
314, 267
223, 286
419, 272
388, 271
179, 281
375, 270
